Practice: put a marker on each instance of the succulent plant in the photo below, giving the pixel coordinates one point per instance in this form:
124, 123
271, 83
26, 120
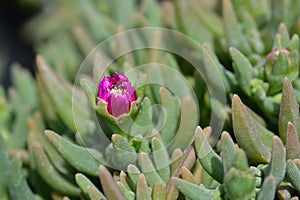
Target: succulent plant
139, 119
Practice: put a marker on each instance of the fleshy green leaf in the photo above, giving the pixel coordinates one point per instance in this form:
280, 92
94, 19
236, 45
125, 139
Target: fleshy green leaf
127, 192
193, 191
161, 159
122, 154
171, 106
247, 134
187, 161
289, 110
83, 159
187, 125
241, 162
189, 22
84, 183
159, 191
36, 129
242, 70
210, 161
17, 185
60, 93
268, 189
90, 91
94, 193
24, 84
293, 174
276, 168
228, 151
239, 184
133, 173
284, 33
233, 32
142, 190
110, 187
149, 170
49, 174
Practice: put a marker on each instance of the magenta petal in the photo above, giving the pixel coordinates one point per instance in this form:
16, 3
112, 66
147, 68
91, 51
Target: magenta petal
118, 105
104, 89
130, 91
120, 77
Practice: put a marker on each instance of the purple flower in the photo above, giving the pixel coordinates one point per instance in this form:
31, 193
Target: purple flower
118, 93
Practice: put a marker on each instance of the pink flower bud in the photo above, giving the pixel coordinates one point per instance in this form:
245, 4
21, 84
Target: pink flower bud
118, 93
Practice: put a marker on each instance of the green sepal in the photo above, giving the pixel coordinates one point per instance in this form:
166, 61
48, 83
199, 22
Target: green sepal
142, 122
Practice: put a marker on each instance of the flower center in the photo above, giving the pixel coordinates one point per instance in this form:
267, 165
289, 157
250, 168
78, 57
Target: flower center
118, 90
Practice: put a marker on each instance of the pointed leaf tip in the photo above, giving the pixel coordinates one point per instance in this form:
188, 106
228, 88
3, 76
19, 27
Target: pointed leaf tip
289, 110
110, 187
292, 142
